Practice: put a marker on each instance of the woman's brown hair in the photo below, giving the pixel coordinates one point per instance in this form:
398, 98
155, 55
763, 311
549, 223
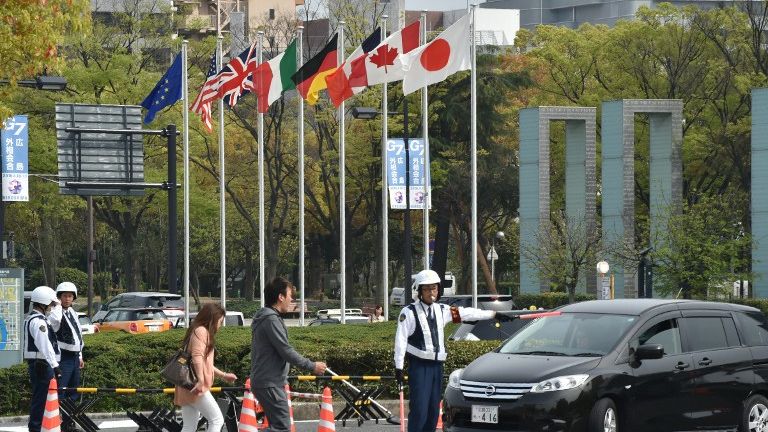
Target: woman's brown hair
208, 317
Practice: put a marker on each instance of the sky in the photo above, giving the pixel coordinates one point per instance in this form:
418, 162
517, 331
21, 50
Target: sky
435, 5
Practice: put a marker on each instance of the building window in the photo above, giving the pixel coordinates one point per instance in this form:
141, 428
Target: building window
271, 14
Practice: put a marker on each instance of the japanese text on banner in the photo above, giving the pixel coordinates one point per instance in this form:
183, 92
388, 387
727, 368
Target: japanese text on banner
15, 158
396, 164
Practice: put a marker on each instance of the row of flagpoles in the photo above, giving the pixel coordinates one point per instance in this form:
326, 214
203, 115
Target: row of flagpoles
403, 56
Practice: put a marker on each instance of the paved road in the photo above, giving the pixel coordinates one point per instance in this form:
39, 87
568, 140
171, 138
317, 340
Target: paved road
301, 426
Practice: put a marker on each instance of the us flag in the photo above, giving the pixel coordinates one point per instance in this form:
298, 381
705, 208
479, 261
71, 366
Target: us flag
236, 76
202, 104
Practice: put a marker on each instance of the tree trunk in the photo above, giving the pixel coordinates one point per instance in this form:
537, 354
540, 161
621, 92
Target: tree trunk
131, 262
248, 282
486, 270
315, 267
442, 235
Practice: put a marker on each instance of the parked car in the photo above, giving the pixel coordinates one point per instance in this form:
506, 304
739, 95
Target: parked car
333, 316
493, 328
171, 304
135, 320
630, 364
497, 302
350, 319
232, 319
86, 324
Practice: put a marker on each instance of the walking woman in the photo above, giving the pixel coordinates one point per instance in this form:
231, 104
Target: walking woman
201, 340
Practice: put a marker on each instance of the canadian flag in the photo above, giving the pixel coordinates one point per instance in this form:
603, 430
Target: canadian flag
384, 64
445, 55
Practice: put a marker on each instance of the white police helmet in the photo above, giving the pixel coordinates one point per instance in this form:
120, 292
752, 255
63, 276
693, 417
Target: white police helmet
66, 287
425, 277
44, 295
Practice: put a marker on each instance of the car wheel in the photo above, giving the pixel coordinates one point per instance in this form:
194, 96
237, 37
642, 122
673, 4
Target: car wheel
604, 417
755, 418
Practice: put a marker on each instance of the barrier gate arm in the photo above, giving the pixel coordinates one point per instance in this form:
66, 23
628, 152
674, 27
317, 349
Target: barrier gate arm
380, 406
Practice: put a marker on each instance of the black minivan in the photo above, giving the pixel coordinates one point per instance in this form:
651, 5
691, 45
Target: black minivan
627, 365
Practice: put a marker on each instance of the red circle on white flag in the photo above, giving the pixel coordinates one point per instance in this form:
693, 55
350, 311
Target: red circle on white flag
436, 55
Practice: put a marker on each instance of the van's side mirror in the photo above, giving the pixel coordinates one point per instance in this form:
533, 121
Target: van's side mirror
649, 352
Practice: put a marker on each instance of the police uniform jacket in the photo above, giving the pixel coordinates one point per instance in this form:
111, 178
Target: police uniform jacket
420, 330
66, 325
40, 340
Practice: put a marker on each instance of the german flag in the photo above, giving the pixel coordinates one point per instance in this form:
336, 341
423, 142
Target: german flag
310, 78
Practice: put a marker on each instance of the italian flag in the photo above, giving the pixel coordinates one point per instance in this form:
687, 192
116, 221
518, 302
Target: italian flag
272, 78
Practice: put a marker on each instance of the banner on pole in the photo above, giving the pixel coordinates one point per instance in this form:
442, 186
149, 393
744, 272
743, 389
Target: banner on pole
15, 137
396, 174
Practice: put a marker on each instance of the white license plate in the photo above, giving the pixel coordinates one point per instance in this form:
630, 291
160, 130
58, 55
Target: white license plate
485, 414
153, 328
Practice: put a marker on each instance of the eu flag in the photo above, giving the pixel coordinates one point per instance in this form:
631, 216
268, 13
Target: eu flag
166, 92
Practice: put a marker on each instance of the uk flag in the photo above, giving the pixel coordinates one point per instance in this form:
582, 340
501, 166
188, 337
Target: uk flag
237, 76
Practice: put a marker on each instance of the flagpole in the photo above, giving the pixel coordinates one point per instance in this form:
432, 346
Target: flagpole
185, 138
299, 54
342, 190
222, 183
425, 134
473, 122
384, 190
261, 184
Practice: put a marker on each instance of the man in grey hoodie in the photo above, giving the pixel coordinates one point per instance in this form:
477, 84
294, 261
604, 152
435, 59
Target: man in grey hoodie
271, 354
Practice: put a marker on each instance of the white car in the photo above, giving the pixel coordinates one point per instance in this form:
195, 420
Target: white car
86, 324
232, 319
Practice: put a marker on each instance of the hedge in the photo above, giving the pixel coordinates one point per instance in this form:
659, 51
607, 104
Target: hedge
133, 361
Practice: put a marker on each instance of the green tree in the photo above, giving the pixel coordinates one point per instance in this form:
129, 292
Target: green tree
702, 253
30, 33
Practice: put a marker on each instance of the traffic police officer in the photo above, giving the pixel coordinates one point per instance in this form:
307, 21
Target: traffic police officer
41, 351
69, 335
420, 338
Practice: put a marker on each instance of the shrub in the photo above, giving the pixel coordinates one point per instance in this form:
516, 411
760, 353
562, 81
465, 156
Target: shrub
76, 276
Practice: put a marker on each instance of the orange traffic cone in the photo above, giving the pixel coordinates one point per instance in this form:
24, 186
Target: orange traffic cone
51, 416
260, 411
440, 417
248, 422
290, 407
326, 424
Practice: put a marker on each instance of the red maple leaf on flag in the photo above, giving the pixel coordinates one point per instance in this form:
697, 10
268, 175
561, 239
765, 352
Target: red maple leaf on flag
384, 56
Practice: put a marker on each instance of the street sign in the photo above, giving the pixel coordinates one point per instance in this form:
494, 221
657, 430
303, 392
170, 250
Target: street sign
492, 255
15, 136
605, 291
396, 173
99, 157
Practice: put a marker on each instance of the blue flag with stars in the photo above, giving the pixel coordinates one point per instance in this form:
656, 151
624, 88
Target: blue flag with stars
166, 92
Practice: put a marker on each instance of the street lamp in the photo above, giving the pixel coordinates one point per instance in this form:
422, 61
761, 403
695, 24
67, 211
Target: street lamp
364, 113
369, 114
494, 256
606, 284
43, 82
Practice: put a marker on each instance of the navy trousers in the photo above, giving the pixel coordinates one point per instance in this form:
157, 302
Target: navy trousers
40, 374
425, 381
70, 373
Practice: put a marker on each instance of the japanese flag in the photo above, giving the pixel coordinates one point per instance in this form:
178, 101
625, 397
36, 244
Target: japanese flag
383, 64
445, 55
